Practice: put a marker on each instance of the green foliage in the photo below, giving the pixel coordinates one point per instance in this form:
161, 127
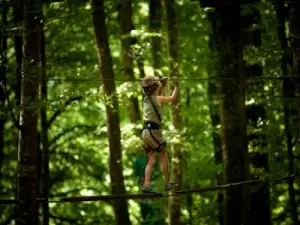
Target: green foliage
78, 136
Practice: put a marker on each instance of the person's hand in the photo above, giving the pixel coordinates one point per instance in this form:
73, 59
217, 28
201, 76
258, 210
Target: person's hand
175, 81
163, 81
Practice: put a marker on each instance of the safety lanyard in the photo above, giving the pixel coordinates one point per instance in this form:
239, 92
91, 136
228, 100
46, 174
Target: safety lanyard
152, 103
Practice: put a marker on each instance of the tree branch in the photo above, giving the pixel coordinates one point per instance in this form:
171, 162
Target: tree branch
59, 111
59, 176
69, 130
5, 92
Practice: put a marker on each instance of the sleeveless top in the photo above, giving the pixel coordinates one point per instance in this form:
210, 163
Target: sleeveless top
149, 114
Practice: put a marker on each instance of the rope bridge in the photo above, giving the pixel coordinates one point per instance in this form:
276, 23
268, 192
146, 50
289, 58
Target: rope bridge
161, 195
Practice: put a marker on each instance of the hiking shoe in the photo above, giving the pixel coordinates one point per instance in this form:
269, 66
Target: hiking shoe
170, 186
148, 189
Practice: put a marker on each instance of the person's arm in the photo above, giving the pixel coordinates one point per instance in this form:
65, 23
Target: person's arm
168, 99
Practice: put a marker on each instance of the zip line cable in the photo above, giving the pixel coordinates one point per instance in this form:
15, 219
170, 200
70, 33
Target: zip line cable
294, 78
128, 196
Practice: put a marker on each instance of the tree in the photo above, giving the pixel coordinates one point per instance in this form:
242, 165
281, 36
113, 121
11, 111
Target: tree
232, 105
256, 116
155, 17
294, 8
174, 70
44, 127
112, 112
125, 23
27, 173
294, 24
3, 65
213, 90
18, 44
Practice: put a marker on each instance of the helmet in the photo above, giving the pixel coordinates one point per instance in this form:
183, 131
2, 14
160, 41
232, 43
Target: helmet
150, 80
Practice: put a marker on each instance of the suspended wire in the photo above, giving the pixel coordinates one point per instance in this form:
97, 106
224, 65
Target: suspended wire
294, 78
161, 195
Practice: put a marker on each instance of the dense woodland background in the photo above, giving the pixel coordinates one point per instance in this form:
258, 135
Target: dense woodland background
71, 108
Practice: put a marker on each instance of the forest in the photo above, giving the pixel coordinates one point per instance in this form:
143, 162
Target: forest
71, 111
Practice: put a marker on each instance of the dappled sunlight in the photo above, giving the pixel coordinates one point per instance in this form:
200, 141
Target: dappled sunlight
236, 118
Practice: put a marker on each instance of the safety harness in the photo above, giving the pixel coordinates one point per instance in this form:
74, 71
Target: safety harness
153, 126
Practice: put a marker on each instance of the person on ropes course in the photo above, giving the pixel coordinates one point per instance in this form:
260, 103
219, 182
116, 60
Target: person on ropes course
151, 135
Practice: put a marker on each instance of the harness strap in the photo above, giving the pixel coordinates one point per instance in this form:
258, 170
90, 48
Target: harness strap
154, 138
151, 125
152, 103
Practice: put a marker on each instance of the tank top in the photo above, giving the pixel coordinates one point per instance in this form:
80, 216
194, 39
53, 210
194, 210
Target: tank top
149, 113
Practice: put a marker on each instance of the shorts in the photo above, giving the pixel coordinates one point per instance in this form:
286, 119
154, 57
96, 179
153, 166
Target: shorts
153, 140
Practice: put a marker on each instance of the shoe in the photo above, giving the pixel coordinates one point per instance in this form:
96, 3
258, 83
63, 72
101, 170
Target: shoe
170, 186
148, 189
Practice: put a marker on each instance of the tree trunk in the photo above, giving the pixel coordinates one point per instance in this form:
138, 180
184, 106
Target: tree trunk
3, 64
233, 133
294, 26
189, 198
112, 112
213, 90
260, 196
176, 165
27, 173
44, 127
155, 15
18, 44
286, 87
125, 22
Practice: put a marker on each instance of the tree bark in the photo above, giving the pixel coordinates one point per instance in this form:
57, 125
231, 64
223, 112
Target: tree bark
155, 14
112, 112
176, 162
125, 22
260, 196
294, 26
233, 133
213, 91
18, 44
3, 65
27, 158
286, 87
44, 127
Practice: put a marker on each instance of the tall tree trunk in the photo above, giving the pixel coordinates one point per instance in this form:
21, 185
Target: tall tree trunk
189, 198
155, 15
213, 90
125, 22
3, 64
287, 86
176, 165
233, 134
260, 196
112, 112
27, 173
44, 127
294, 26
18, 16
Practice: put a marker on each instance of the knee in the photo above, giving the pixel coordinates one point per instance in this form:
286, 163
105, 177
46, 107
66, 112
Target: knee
151, 161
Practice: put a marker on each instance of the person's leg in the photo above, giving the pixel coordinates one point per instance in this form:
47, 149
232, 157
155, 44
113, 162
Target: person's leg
164, 164
148, 169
